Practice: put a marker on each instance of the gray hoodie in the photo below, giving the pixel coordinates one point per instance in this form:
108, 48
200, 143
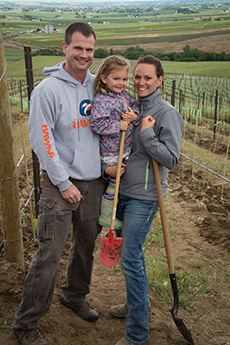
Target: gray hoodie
162, 143
59, 129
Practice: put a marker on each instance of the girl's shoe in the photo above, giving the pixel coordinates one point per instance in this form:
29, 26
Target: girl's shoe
106, 214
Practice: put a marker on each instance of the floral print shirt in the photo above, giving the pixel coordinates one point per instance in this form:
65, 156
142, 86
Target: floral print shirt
105, 120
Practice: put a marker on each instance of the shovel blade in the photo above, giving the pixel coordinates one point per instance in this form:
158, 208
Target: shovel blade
181, 327
110, 251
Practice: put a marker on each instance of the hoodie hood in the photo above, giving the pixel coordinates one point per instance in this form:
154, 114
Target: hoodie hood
57, 71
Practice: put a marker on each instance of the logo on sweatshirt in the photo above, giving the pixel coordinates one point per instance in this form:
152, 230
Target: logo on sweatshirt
47, 142
78, 124
85, 107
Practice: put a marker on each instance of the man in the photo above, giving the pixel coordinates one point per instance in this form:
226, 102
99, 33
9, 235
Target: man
72, 187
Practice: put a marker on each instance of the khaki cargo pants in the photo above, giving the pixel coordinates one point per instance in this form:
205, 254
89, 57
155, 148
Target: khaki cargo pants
55, 216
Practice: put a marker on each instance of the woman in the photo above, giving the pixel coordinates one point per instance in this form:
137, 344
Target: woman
159, 137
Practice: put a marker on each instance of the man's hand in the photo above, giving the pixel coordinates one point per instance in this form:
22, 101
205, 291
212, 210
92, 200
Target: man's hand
72, 194
147, 122
111, 170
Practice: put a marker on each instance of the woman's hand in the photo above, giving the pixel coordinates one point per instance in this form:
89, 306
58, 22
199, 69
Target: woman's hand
147, 122
111, 170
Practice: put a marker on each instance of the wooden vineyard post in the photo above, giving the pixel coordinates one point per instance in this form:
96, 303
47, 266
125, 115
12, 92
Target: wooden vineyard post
215, 115
173, 92
30, 86
225, 165
9, 191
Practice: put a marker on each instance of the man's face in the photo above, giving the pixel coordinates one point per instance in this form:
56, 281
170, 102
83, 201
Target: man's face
79, 54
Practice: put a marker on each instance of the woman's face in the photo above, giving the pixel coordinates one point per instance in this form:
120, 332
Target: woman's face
146, 81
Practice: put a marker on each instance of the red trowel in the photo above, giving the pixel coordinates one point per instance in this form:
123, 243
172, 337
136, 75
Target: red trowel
111, 246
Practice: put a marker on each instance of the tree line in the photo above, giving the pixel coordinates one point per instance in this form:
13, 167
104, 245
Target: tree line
132, 53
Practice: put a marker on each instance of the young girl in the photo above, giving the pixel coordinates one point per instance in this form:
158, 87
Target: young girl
113, 110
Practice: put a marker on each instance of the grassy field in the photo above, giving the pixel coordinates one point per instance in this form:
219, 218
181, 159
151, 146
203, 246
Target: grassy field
115, 25
203, 68
14, 54
133, 34
213, 69
162, 20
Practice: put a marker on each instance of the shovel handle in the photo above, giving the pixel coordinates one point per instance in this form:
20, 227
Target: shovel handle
116, 190
179, 322
167, 241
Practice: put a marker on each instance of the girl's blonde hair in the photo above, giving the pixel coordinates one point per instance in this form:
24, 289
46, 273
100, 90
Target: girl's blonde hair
109, 64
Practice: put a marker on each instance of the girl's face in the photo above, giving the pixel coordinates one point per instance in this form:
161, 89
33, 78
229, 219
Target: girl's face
146, 81
116, 80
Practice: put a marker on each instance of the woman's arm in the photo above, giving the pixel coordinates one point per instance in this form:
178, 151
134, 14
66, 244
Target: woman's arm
164, 147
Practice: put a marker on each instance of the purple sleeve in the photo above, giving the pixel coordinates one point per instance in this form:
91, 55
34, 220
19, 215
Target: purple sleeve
101, 120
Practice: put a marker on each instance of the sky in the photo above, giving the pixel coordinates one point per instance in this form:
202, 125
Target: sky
98, 1
73, 1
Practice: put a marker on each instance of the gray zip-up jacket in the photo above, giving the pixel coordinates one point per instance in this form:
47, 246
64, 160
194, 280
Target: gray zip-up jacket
161, 143
59, 129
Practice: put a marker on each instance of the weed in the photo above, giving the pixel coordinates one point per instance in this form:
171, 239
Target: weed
35, 221
155, 236
197, 264
191, 285
5, 326
219, 189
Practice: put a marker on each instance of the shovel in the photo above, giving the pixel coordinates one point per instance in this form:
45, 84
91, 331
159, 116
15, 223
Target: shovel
179, 322
111, 246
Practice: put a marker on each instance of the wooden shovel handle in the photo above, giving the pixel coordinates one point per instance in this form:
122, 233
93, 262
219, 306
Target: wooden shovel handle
118, 175
167, 241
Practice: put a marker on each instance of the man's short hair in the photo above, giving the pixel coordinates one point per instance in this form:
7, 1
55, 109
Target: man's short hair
84, 28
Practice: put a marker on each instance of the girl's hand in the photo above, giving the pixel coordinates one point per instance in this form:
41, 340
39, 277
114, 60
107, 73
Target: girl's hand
124, 125
129, 115
111, 170
147, 122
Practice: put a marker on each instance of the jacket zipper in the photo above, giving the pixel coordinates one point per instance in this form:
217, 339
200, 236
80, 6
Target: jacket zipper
147, 175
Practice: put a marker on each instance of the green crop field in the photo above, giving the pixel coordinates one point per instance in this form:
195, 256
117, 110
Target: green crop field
204, 68
127, 26
121, 25
14, 54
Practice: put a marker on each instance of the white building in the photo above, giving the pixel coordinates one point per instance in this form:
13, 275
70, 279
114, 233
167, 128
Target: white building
49, 29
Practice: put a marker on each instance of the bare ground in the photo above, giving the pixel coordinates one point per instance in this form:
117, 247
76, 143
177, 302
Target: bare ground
199, 220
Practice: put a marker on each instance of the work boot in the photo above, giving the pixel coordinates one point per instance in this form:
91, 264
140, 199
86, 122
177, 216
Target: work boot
124, 341
32, 337
83, 310
119, 311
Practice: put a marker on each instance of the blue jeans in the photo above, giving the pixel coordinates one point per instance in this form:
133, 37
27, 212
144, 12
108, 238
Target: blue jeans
137, 220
